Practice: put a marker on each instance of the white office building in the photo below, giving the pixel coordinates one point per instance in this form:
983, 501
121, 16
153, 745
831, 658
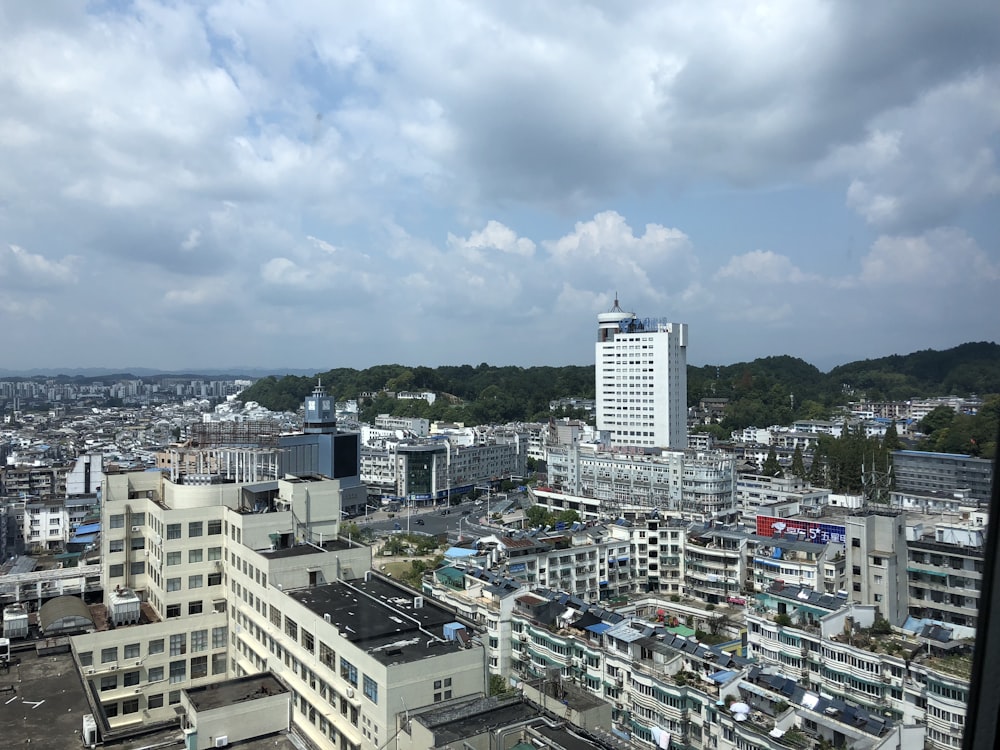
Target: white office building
641, 380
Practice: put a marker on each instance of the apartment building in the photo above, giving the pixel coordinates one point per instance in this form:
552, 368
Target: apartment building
918, 471
599, 483
484, 598
944, 573
756, 490
845, 652
427, 471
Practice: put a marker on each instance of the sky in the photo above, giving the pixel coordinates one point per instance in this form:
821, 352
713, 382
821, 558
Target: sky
317, 184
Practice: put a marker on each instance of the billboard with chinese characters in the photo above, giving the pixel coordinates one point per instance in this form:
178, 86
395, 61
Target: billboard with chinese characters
806, 531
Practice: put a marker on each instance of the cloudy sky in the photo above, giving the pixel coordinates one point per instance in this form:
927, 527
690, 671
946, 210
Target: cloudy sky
318, 184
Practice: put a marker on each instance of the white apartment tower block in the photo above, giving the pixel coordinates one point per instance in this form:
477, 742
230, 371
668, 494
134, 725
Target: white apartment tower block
641, 388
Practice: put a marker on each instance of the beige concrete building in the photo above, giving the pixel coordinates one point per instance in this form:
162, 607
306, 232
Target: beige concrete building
209, 581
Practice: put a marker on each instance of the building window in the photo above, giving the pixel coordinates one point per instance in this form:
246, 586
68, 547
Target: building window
178, 644
215, 579
173, 584
199, 641
174, 697
131, 706
173, 610
291, 628
173, 531
116, 521
109, 655
214, 528
110, 709
348, 671
156, 647
371, 689
199, 667
308, 643
116, 545
195, 582
327, 657
137, 542
178, 671
116, 571
131, 651
86, 658
219, 637
196, 608
275, 616
173, 558
219, 663
137, 568
195, 555
214, 553
195, 528
155, 701
155, 674
131, 678
109, 682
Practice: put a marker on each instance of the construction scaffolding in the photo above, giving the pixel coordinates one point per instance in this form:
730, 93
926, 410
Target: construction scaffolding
255, 434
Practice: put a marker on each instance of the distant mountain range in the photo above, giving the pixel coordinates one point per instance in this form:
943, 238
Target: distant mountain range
145, 372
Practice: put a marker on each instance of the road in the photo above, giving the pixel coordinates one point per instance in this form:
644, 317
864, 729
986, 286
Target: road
468, 515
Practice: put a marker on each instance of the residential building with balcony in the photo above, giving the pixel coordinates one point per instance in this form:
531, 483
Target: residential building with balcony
605, 484
944, 575
848, 654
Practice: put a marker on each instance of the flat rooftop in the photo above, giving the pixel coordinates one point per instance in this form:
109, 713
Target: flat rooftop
230, 692
47, 705
329, 545
467, 719
380, 617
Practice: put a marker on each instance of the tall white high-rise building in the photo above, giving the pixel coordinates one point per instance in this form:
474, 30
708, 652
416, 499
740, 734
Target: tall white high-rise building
641, 388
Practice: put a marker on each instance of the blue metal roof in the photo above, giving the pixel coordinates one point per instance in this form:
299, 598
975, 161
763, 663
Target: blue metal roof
83, 539
598, 628
88, 528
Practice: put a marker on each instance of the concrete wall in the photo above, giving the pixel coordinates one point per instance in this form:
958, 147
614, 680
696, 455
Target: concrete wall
238, 722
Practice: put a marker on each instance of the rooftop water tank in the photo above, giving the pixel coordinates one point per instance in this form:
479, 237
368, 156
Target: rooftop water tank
15, 621
123, 607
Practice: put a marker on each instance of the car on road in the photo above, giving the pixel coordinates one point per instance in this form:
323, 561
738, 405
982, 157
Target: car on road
419, 522
466, 512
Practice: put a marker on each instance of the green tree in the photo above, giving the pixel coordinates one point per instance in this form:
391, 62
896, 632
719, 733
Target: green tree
567, 516
499, 686
798, 465
890, 441
938, 418
771, 466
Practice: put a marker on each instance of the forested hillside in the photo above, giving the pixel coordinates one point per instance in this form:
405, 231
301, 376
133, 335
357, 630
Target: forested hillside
770, 390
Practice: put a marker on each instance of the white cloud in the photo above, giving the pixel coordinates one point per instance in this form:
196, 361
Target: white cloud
942, 258
20, 268
446, 171
764, 266
192, 240
494, 236
924, 163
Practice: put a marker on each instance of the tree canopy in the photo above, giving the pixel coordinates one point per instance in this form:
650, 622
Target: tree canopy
766, 391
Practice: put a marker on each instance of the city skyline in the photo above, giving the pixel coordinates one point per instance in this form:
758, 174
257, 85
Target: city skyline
228, 185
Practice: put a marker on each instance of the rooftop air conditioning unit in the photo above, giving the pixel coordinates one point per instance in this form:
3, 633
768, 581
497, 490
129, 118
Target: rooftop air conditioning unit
137, 529
350, 692
222, 741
